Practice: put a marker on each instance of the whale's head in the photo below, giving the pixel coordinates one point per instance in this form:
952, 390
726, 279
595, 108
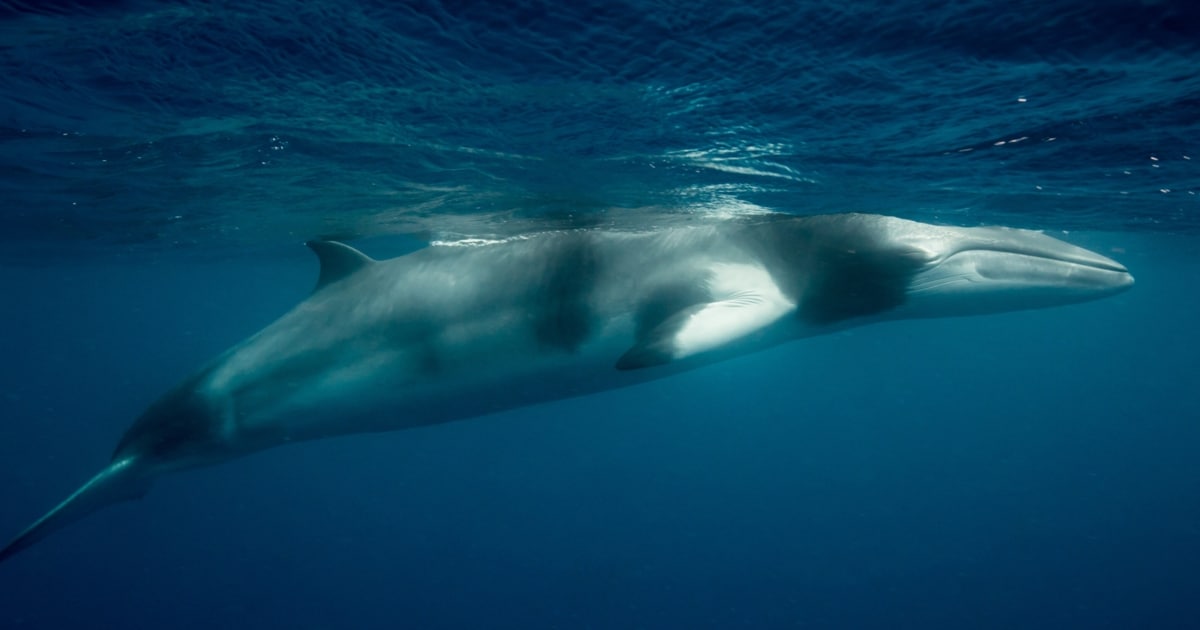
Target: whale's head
849, 269
968, 271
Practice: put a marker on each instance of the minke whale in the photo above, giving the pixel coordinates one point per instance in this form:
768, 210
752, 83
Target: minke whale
453, 332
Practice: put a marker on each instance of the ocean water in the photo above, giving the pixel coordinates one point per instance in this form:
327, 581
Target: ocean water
161, 164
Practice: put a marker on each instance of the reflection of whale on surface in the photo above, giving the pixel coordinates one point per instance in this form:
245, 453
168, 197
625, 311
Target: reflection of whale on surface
454, 332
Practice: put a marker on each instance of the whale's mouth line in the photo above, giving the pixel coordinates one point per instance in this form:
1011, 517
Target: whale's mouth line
975, 267
1094, 261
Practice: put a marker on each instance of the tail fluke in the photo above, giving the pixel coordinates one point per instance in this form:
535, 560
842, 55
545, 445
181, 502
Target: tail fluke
120, 481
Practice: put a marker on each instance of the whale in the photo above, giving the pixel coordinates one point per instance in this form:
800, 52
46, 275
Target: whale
463, 330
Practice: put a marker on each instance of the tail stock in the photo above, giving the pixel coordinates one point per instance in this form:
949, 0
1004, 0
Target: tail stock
122, 480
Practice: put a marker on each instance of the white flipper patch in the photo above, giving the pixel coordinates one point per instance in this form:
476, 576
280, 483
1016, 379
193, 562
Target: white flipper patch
750, 301
745, 299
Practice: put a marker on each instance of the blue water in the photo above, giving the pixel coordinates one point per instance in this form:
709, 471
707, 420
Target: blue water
161, 164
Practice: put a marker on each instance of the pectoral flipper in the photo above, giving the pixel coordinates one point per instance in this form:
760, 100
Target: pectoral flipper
743, 300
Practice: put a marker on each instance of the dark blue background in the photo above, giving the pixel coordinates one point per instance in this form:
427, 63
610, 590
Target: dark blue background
160, 164
217, 125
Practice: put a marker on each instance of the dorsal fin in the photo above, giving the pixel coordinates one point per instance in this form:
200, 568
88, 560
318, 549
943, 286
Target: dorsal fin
338, 261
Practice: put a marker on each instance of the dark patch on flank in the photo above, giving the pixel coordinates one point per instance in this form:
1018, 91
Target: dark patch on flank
563, 318
837, 267
844, 285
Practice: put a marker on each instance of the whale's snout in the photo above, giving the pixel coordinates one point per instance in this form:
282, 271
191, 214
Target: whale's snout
985, 270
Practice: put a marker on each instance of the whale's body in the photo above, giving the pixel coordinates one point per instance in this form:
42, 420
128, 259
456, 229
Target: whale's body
447, 333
